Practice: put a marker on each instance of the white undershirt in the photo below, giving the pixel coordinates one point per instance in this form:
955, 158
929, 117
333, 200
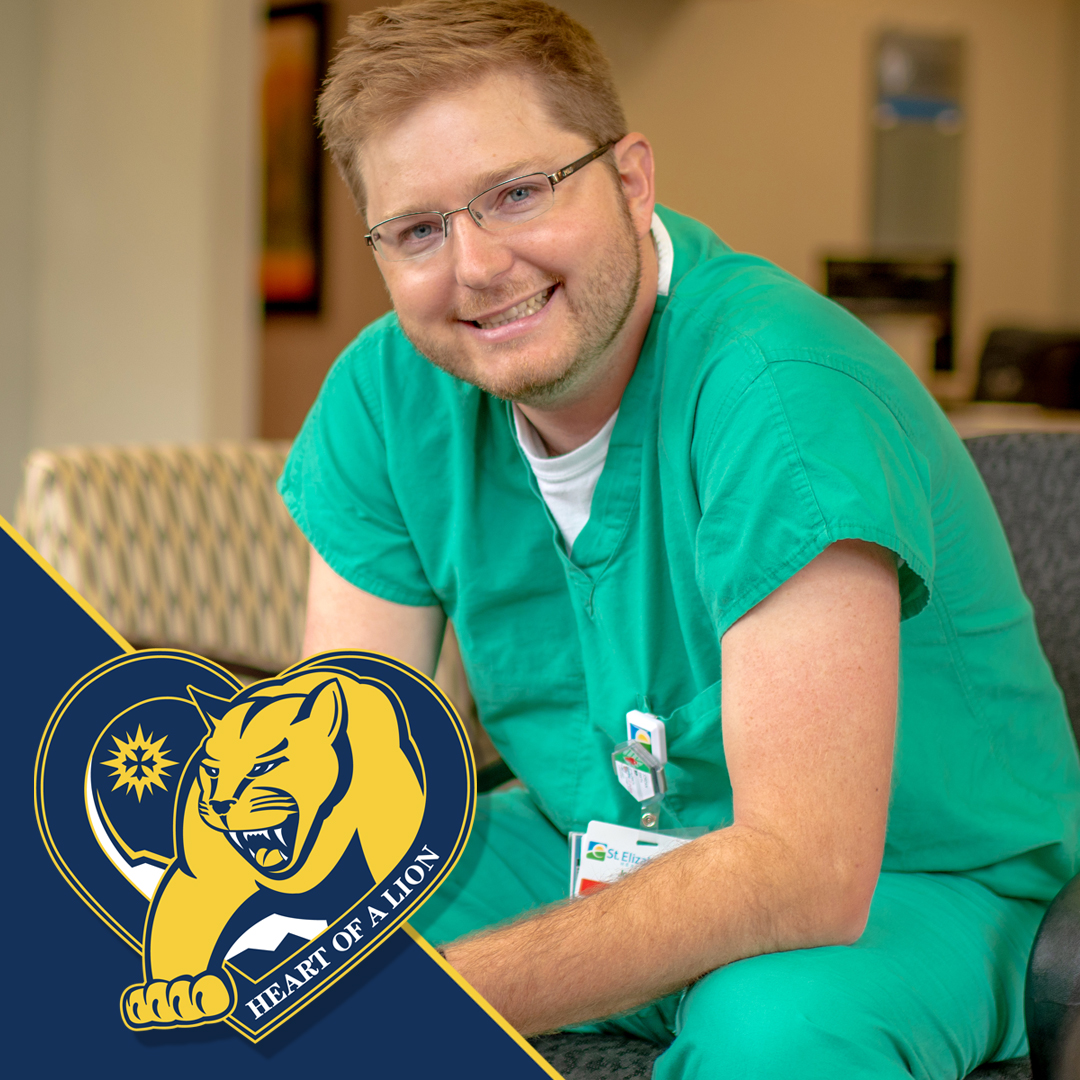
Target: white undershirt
567, 482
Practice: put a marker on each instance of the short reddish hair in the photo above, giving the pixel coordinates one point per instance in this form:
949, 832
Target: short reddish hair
393, 58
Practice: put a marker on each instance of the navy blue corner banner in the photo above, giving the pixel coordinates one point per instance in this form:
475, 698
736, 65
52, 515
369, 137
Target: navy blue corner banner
203, 875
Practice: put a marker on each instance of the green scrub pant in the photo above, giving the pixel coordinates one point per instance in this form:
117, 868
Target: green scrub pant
932, 989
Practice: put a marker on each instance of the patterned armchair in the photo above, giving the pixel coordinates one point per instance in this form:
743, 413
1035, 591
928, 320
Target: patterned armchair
190, 547
186, 546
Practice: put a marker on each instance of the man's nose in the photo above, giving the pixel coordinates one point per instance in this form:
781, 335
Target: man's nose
479, 255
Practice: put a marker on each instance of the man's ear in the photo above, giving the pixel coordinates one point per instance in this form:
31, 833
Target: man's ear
211, 708
325, 707
637, 175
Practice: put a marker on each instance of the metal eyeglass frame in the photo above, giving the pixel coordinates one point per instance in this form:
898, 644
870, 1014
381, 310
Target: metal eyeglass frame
552, 178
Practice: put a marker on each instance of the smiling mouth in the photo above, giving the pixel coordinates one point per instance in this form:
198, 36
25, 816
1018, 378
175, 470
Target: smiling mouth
268, 849
518, 311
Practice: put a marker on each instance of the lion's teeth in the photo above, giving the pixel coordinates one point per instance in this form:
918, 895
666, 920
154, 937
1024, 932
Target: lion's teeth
244, 839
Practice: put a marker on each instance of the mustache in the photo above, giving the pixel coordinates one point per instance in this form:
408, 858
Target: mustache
498, 296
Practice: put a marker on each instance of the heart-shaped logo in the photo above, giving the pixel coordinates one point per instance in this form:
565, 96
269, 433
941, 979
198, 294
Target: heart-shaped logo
253, 843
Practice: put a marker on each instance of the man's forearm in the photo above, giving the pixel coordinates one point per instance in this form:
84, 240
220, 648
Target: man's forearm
731, 894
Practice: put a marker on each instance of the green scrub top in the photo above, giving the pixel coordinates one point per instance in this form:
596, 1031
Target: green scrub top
762, 423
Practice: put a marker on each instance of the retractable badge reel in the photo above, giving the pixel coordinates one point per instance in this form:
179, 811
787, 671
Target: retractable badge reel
639, 764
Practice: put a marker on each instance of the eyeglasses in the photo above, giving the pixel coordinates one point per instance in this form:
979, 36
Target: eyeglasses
409, 236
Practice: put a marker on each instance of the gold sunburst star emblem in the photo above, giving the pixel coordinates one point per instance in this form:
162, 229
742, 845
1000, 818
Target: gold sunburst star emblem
140, 762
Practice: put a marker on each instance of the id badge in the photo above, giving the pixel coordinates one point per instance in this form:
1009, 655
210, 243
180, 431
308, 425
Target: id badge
605, 852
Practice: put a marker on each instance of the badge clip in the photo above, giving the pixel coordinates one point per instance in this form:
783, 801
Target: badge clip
642, 774
639, 763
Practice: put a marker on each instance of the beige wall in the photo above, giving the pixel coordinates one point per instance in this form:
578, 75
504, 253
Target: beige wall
131, 203
1070, 232
759, 111
19, 44
146, 300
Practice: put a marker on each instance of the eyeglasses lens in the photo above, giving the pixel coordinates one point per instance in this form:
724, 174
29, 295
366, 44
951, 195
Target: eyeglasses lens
510, 204
409, 236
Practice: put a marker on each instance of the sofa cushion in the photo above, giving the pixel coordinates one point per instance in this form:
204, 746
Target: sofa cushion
1034, 480
188, 546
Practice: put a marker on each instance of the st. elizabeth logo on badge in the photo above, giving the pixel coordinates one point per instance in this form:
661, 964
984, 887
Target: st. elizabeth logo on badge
253, 844
596, 851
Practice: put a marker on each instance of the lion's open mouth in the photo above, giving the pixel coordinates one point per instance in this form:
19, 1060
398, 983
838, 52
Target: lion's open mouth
268, 849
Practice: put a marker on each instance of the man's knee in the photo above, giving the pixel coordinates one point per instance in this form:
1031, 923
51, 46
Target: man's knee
766, 1018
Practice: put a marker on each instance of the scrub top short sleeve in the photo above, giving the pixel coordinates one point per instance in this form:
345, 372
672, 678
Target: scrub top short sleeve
337, 484
806, 456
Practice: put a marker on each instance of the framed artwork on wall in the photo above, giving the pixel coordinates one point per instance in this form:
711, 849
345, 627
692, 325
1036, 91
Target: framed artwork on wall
294, 60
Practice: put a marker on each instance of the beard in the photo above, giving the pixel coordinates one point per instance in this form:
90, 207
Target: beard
598, 310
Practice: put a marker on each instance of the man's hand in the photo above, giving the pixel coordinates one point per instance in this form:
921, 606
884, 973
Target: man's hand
809, 714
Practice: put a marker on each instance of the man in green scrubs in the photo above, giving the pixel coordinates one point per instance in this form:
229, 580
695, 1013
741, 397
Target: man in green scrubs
885, 767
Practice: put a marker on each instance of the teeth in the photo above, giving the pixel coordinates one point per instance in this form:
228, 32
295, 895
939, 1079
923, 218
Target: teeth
243, 839
519, 311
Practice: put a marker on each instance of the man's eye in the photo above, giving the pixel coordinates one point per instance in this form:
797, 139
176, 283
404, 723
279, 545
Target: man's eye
210, 770
412, 234
519, 197
265, 766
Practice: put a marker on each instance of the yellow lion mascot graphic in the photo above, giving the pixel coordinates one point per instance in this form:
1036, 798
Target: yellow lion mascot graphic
293, 774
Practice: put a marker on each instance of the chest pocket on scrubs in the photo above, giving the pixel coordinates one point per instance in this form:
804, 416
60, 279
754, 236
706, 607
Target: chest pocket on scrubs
699, 788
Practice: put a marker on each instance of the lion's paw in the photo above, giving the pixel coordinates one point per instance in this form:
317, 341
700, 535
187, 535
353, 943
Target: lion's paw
186, 1000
